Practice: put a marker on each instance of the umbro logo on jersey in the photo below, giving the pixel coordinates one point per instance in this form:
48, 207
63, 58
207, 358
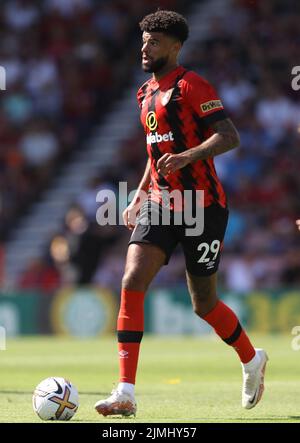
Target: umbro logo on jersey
213, 104
158, 138
166, 96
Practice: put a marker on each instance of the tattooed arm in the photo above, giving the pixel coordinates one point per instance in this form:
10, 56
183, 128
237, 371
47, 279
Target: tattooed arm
225, 138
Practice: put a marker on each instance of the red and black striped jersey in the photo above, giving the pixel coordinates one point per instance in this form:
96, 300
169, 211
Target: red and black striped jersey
177, 112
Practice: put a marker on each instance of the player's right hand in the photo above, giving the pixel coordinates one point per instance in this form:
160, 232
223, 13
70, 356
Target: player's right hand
129, 216
298, 223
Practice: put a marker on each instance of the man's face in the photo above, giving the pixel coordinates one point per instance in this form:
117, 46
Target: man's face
158, 48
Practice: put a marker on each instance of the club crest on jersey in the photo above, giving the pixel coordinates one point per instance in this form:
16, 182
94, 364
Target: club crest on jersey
166, 96
151, 121
212, 104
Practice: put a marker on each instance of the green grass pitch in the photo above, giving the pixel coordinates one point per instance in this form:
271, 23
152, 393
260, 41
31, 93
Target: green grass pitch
180, 379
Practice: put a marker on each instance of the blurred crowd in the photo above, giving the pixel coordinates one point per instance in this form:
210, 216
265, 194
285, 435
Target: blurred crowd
64, 59
60, 53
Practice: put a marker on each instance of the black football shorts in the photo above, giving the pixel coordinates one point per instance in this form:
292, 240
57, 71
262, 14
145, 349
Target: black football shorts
202, 252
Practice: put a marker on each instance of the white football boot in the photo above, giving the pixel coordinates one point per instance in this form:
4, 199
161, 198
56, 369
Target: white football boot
253, 381
117, 404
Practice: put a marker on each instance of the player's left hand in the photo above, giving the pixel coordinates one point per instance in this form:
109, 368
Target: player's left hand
170, 163
298, 223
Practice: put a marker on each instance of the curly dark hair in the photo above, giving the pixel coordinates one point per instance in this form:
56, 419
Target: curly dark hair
168, 22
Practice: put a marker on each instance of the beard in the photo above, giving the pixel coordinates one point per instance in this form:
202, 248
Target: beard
155, 66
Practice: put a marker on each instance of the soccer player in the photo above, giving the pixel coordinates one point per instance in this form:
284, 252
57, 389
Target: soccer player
185, 126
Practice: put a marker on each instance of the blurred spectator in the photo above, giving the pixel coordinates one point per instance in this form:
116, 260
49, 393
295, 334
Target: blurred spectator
235, 91
17, 106
41, 276
82, 245
21, 14
68, 7
38, 145
276, 113
241, 273
290, 276
87, 198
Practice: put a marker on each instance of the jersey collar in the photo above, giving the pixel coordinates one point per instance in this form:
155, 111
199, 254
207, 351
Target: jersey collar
167, 80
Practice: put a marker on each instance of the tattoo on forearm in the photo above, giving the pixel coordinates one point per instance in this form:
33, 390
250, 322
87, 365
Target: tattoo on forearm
225, 138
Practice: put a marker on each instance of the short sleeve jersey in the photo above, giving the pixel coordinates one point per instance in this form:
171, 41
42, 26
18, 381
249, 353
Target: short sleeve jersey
177, 113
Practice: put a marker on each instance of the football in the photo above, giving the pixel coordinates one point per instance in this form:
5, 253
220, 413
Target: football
55, 398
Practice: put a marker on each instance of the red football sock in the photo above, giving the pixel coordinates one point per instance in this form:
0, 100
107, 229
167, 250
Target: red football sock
227, 326
130, 332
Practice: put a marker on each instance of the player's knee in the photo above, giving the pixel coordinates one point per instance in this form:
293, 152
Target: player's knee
134, 281
202, 310
204, 303
198, 309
